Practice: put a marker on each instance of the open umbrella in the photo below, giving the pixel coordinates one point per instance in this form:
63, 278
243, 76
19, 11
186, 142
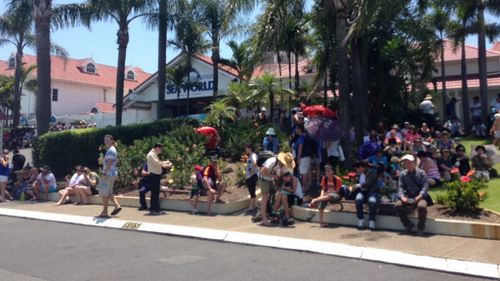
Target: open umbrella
324, 129
319, 110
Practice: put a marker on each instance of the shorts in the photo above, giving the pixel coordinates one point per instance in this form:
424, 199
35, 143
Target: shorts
52, 189
304, 165
334, 198
4, 179
106, 185
266, 186
194, 193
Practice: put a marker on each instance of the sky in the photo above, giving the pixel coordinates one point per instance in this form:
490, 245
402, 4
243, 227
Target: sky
99, 43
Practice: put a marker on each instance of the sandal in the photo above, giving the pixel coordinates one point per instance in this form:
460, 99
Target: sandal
116, 211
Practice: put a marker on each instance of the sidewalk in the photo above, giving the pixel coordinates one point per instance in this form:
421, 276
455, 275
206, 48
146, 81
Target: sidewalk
436, 246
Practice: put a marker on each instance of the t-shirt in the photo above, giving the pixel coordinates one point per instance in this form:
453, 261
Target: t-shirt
427, 107
4, 170
271, 165
76, 179
211, 173
47, 180
212, 135
331, 184
298, 141
112, 156
251, 169
298, 191
475, 107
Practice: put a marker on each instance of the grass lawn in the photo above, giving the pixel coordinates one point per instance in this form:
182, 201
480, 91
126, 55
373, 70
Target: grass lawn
492, 201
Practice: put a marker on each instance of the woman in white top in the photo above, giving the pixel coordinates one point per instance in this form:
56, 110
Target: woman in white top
75, 180
251, 170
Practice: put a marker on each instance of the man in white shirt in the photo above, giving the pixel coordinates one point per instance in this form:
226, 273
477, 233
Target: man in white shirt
427, 108
75, 180
155, 169
45, 183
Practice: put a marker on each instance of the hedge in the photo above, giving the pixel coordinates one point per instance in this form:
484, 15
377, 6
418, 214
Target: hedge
64, 150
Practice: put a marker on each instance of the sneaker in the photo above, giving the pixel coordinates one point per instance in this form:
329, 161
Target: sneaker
371, 225
361, 224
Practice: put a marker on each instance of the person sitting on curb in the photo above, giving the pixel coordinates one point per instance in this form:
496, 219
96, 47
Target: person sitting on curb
331, 192
368, 192
287, 192
45, 183
482, 163
70, 188
212, 181
88, 187
196, 187
270, 173
412, 192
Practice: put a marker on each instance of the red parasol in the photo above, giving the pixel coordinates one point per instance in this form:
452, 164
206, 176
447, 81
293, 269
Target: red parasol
319, 110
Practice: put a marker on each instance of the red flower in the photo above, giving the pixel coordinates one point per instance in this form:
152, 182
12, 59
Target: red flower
470, 173
346, 177
352, 174
465, 179
454, 170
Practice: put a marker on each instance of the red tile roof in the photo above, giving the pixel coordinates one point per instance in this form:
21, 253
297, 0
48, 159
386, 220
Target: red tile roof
273, 68
73, 71
455, 54
455, 82
105, 107
496, 47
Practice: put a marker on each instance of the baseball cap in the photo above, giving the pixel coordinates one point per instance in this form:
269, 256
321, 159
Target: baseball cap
408, 157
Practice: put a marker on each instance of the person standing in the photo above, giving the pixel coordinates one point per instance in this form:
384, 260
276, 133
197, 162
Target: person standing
427, 108
155, 169
4, 174
109, 174
18, 161
412, 191
251, 175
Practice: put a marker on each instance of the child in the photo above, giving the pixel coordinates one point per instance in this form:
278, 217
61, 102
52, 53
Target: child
196, 186
331, 186
495, 130
290, 185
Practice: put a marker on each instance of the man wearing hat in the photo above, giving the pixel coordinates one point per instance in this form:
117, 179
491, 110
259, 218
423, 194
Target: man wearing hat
481, 163
270, 172
271, 142
427, 108
412, 192
155, 169
262, 116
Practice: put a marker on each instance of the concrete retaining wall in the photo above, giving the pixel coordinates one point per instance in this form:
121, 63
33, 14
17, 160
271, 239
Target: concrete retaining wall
433, 226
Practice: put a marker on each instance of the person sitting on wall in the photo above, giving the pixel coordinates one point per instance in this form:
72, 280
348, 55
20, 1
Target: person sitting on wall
88, 187
45, 183
331, 192
212, 181
70, 188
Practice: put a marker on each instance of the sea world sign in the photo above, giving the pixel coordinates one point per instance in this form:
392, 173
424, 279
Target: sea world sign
197, 88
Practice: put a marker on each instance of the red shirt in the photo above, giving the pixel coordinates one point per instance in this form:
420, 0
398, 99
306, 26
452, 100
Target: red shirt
212, 135
331, 184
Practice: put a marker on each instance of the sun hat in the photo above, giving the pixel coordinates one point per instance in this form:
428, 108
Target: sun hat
270, 132
428, 97
497, 115
395, 159
263, 109
286, 159
408, 157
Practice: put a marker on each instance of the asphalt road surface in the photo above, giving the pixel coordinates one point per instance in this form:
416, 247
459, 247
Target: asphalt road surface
36, 250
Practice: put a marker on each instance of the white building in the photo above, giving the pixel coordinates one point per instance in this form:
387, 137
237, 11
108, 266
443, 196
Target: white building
140, 105
79, 86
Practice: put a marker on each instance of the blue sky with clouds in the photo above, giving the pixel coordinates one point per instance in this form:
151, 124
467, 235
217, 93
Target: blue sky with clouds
100, 42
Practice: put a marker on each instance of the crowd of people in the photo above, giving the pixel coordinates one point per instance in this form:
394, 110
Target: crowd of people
18, 138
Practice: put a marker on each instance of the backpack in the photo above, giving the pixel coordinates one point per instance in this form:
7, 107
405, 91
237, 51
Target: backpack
263, 156
310, 146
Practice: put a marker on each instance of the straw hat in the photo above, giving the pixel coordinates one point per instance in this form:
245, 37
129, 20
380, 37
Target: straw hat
286, 159
428, 97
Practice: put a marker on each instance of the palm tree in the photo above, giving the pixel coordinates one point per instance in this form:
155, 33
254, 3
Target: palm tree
189, 37
266, 87
243, 60
237, 95
176, 75
218, 111
162, 56
342, 8
42, 10
16, 27
123, 13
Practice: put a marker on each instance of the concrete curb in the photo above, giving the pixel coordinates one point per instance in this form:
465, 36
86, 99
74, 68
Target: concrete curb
170, 204
328, 248
433, 226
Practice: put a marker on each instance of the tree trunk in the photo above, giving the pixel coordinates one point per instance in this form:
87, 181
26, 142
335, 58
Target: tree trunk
215, 63
465, 95
162, 58
443, 83
343, 71
188, 85
360, 88
43, 13
297, 75
16, 106
123, 38
483, 82
364, 82
289, 56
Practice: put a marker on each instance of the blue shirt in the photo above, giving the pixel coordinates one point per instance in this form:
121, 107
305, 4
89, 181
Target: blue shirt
4, 171
375, 160
273, 145
111, 156
298, 141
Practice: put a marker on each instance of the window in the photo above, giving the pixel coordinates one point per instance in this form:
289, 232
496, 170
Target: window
55, 94
130, 75
12, 62
90, 68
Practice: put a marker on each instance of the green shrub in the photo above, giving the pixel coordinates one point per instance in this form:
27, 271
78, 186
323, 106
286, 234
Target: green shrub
463, 196
64, 150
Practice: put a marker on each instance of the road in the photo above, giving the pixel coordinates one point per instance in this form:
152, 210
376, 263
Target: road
36, 250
